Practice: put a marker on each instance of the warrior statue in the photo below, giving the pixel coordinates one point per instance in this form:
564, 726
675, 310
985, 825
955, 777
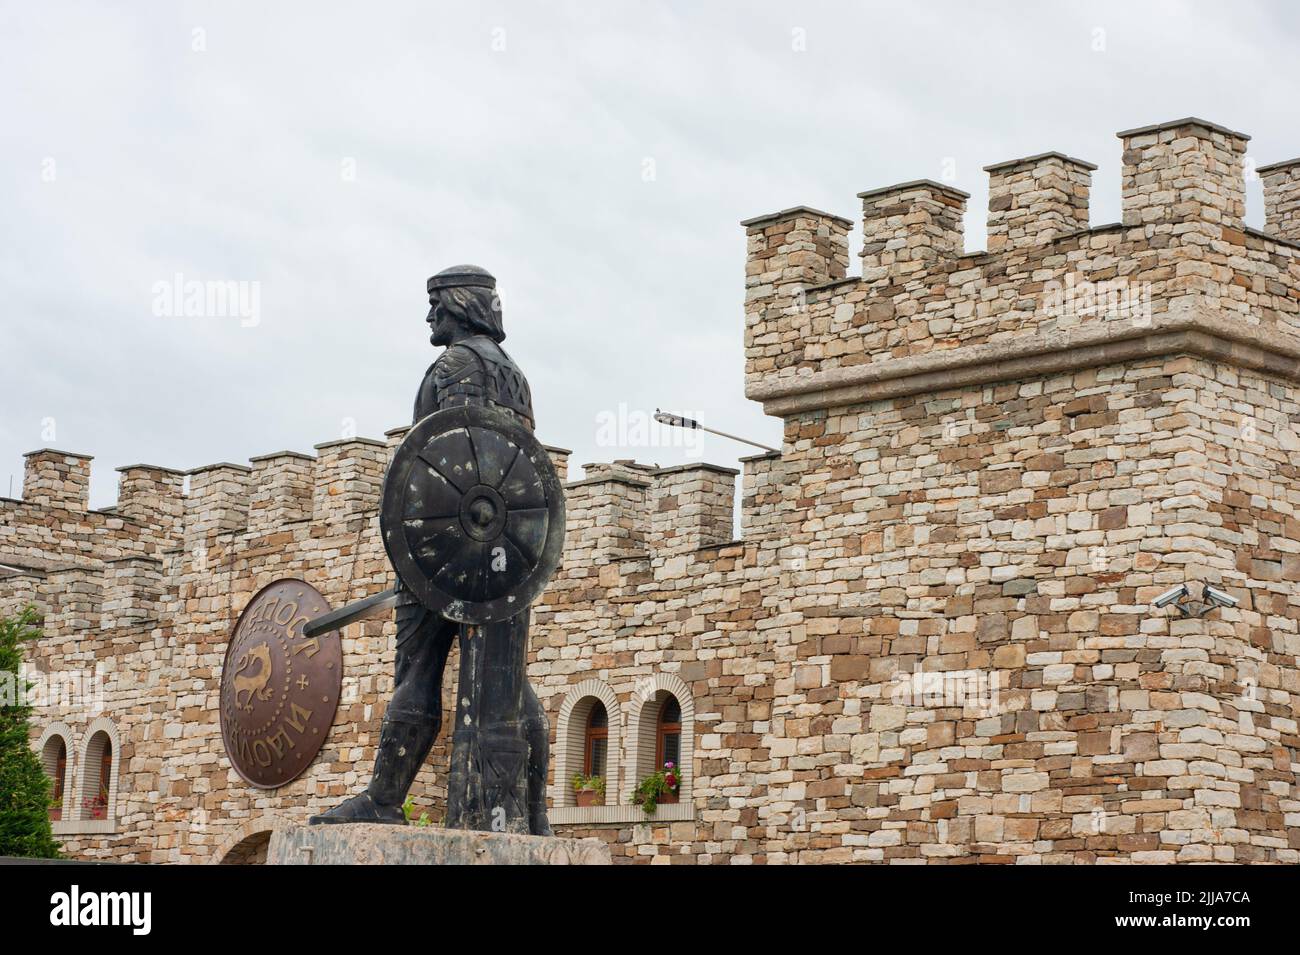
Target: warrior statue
499, 746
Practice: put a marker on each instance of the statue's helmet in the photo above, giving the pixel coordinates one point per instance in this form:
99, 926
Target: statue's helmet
463, 276
469, 294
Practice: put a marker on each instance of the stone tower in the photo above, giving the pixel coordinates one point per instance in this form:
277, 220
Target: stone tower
995, 461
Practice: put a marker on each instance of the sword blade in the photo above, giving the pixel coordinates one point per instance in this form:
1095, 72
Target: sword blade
337, 619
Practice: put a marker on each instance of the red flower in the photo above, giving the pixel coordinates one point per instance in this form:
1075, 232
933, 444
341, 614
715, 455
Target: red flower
671, 780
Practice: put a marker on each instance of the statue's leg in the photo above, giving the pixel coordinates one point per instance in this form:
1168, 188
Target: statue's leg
538, 729
411, 721
414, 714
488, 786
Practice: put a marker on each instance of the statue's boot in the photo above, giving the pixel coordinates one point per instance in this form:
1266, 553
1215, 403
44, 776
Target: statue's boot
538, 823
403, 744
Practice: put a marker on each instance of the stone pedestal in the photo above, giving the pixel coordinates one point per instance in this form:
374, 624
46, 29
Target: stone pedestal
373, 844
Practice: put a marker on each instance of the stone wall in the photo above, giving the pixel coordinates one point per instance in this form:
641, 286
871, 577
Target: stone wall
933, 638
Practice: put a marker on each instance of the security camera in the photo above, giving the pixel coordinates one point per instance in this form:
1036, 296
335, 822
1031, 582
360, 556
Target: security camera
1215, 596
1170, 596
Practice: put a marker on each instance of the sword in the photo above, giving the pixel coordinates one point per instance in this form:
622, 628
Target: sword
337, 619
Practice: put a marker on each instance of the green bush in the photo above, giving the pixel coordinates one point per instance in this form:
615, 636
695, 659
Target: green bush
579, 782
663, 782
25, 790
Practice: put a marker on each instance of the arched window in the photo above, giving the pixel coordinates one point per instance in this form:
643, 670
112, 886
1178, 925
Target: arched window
596, 751
668, 739
588, 731
663, 731
97, 777
54, 759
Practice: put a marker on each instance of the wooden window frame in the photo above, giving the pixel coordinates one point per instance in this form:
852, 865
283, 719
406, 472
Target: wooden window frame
60, 781
590, 735
92, 808
662, 730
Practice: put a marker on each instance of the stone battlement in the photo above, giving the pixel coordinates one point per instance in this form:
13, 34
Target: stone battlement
160, 527
1181, 257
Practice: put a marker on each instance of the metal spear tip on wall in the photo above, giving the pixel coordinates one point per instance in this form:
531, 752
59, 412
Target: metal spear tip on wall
678, 421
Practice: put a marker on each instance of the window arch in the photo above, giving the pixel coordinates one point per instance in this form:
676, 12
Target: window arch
251, 850
96, 795
56, 760
581, 741
249, 844
663, 730
96, 777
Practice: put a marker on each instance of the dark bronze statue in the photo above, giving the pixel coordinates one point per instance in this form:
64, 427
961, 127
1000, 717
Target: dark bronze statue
473, 521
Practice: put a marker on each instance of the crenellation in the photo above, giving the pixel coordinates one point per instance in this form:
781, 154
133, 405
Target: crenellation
349, 479
132, 592
787, 254
53, 478
761, 495
560, 459
1036, 199
1184, 172
690, 507
19, 587
619, 469
141, 613
393, 438
218, 501
1282, 199
1050, 288
153, 497
608, 513
282, 486
72, 600
909, 228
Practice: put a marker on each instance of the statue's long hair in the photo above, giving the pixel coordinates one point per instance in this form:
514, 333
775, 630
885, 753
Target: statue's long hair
477, 308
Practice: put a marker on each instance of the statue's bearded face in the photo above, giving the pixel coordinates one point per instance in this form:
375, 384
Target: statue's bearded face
455, 313
442, 323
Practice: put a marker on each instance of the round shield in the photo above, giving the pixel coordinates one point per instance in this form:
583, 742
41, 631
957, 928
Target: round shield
279, 689
473, 514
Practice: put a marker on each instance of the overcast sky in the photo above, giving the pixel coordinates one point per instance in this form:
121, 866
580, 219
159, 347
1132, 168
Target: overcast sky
596, 157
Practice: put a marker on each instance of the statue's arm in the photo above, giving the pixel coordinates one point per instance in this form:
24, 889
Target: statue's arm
458, 378
426, 397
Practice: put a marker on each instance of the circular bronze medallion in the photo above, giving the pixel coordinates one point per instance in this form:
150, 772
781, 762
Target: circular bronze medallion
279, 689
